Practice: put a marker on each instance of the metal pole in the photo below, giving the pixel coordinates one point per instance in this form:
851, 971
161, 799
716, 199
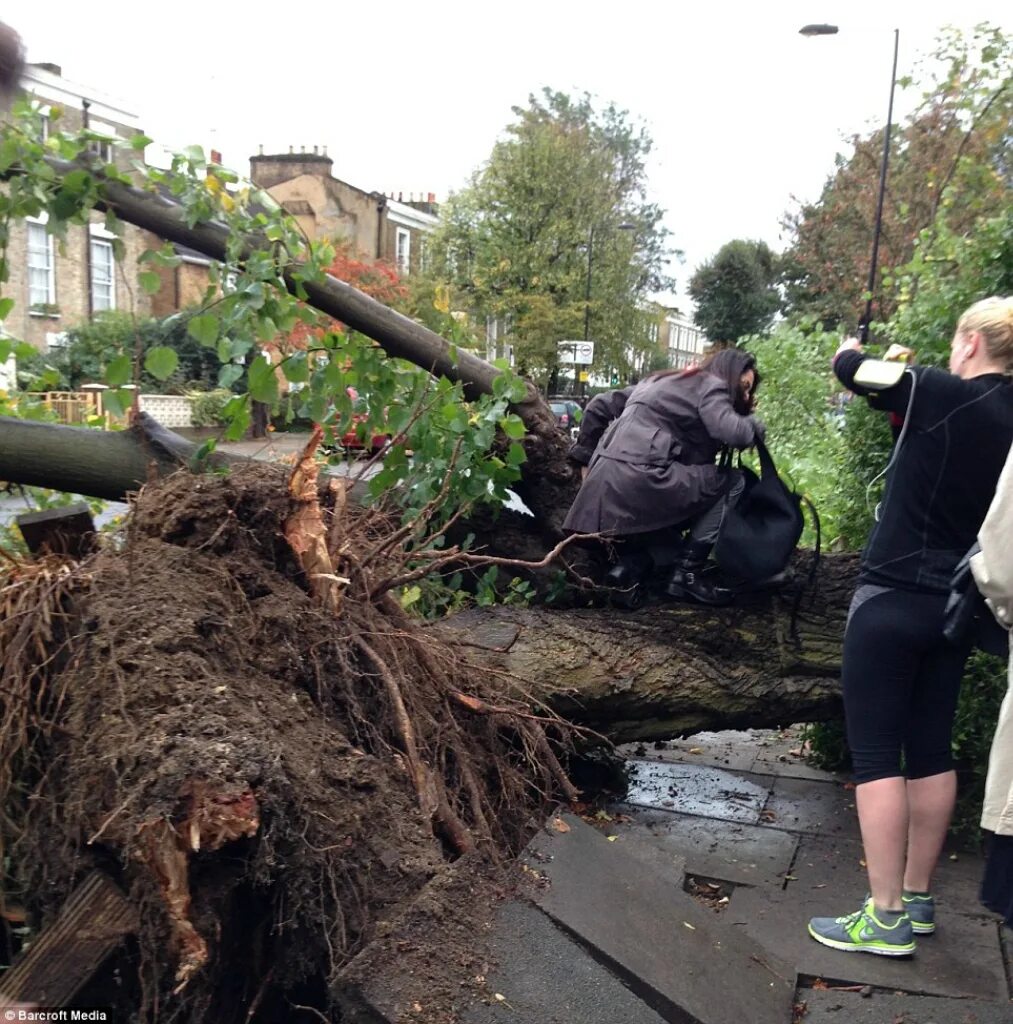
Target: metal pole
865, 322
587, 290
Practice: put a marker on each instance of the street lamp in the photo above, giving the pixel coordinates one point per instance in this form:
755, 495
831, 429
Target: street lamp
830, 30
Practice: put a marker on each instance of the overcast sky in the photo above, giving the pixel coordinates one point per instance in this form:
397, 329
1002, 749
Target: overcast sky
410, 97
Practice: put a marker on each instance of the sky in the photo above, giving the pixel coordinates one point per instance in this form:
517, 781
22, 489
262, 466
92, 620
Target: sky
746, 115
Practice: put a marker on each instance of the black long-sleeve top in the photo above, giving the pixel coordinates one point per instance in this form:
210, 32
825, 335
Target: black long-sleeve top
944, 474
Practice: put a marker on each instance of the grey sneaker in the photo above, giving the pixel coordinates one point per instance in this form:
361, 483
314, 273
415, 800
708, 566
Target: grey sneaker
863, 932
922, 911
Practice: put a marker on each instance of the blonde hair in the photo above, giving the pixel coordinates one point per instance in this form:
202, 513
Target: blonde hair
992, 318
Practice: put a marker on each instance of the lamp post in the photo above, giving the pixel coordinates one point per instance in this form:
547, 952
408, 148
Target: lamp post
829, 30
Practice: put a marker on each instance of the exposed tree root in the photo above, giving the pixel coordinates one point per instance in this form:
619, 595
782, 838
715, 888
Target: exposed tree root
232, 713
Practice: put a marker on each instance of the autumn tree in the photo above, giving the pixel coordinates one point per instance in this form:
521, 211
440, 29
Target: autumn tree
555, 235
949, 164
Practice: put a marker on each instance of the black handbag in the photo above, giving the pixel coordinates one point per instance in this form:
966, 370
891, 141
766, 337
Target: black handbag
760, 532
967, 619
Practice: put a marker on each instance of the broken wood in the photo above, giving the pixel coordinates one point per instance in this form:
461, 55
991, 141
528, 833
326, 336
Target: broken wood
69, 530
62, 959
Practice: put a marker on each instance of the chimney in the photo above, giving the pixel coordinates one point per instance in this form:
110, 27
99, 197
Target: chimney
325, 151
260, 149
431, 197
216, 157
315, 151
400, 197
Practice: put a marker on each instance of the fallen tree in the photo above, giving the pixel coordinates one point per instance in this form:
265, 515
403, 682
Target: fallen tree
230, 712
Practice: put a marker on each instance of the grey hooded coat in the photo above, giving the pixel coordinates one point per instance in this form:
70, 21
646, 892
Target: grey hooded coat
654, 465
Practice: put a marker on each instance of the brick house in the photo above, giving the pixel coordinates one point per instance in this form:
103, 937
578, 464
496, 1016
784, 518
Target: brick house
675, 334
380, 226
56, 286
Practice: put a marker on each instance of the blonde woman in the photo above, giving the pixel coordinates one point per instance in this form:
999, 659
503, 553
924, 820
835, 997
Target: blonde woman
900, 676
993, 572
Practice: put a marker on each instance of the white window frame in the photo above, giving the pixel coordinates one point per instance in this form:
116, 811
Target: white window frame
101, 240
403, 254
102, 149
48, 266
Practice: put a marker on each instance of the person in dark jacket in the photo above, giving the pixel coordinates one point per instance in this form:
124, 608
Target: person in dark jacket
649, 453
900, 675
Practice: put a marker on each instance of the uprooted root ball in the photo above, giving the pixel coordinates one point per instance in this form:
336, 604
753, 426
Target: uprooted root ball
269, 775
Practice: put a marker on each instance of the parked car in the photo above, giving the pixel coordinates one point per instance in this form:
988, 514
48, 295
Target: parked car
568, 413
357, 439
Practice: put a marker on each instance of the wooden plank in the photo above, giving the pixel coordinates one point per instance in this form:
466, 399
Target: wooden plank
65, 955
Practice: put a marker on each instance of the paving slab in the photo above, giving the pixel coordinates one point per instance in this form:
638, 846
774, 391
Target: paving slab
674, 954
824, 808
734, 750
544, 977
773, 752
834, 866
962, 960
730, 851
829, 1007
696, 789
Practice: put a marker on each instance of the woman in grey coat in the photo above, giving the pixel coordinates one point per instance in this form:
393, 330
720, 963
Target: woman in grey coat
650, 454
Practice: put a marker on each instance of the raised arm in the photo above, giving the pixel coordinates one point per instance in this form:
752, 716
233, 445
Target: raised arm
721, 420
599, 413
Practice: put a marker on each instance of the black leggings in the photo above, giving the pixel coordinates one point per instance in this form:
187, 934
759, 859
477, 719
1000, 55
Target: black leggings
901, 679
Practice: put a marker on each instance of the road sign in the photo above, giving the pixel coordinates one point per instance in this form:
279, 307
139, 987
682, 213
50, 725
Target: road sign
580, 352
584, 376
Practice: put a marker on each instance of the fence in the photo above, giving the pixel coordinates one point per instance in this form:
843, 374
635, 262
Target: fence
76, 408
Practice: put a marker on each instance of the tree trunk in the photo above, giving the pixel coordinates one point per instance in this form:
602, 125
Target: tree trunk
97, 463
676, 669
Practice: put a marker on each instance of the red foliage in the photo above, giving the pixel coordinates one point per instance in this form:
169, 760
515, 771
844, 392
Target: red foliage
378, 279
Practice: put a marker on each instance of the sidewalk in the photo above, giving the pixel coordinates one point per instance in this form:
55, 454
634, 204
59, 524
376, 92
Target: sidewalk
688, 904
779, 840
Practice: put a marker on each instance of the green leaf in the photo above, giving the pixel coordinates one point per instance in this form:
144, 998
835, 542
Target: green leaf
6, 305
263, 382
204, 327
118, 371
150, 281
161, 362
229, 374
116, 403
513, 426
139, 141
296, 368
516, 454
238, 411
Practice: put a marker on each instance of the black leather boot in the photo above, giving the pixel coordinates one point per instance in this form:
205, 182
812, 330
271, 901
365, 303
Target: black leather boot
688, 583
627, 578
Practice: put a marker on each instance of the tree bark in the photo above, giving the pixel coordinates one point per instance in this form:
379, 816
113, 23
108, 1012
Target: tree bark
676, 669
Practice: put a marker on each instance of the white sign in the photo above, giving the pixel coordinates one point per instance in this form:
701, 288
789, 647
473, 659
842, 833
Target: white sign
580, 352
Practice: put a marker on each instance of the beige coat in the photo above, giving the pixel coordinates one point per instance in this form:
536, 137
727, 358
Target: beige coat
993, 571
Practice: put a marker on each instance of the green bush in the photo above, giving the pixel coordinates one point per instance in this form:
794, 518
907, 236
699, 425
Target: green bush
209, 406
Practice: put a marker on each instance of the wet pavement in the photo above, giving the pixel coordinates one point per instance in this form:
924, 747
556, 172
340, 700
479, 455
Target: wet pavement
780, 840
